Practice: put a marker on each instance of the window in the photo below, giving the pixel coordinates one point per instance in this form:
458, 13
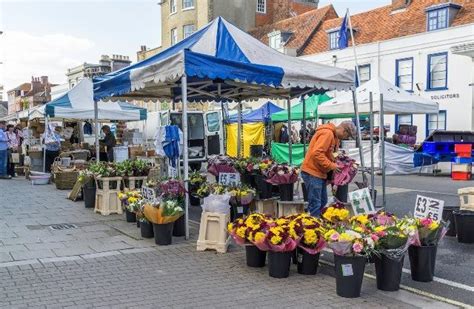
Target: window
275, 41
435, 122
213, 122
404, 74
437, 19
174, 36
437, 71
188, 4
262, 6
364, 72
188, 30
334, 40
403, 119
173, 8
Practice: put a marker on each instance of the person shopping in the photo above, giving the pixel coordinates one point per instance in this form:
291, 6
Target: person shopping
109, 142
320, 161
53, 146
3, 151
13, 145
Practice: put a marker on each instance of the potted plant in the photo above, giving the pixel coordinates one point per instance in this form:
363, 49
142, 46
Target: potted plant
335, 213
217, 164
422, 252
241, 197
131, 202
247, 167
146, 227
283, 176
350, 249
86, 178
264, 188
174, 190
196, 180
163, 215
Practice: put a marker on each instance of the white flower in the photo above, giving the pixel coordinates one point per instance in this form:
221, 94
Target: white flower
353, 234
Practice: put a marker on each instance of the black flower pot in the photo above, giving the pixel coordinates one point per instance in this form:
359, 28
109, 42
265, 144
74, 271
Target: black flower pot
464, 226
349, 275
138, 223
248, 179
238, 211
279, 264
194, 201
163, 233
146, 229
388, 272
179, 228
264, 189
130, 216
286, 192
448, 215
422, 262
88, 191
255, 257
307, 263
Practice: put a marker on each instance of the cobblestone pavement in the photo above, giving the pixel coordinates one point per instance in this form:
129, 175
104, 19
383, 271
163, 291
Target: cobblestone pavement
103, 262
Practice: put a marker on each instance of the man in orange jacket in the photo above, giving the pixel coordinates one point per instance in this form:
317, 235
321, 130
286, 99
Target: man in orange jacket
320, 160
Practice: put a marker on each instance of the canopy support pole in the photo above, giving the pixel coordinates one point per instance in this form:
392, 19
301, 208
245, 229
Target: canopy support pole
224, 131
184, 100
359, 137
46, 126
96, 123
239, 130
290, 142
304, 126
382, 149
371, 128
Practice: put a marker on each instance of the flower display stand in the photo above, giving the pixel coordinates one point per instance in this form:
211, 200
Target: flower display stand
213, 232
266, 206
106, 200
132, 183
287, 208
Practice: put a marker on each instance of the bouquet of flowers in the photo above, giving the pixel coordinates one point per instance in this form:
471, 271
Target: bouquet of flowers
264, 166
196, 179
279, 239
345, 241
241, 195
428, 232
220, 164
207, 189
246, 165
390, 233
348, 171
335, 213
131, 200
250, 230
310, 231
172, 189
166, 211
281, 174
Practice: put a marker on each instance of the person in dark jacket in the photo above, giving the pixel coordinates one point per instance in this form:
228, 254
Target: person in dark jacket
109, 142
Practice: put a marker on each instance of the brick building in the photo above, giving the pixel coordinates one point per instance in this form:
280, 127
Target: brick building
28, 95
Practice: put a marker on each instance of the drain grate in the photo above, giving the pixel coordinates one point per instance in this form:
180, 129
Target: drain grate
64, 226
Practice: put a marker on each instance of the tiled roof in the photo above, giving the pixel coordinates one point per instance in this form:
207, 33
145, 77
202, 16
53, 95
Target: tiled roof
383, 23
24, 87
301, 27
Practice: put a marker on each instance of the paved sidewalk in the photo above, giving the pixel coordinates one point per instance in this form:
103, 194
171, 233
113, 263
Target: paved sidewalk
104, 262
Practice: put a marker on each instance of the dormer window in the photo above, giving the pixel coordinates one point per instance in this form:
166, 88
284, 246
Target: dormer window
333, 40
274, 39
440, 16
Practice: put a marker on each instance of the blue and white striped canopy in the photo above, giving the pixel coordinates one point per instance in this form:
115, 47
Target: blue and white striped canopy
78, 103
220, 51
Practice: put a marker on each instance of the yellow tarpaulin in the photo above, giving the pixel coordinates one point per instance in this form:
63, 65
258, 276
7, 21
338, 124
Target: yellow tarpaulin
252, 134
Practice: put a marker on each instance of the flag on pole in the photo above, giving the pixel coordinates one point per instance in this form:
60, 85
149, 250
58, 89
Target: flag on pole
343, 40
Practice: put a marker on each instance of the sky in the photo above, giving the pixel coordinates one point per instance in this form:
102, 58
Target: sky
46, 37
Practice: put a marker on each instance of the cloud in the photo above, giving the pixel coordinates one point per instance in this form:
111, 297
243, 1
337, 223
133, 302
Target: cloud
25, 55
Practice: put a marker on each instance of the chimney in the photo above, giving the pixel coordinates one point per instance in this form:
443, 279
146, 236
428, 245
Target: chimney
44, 80
143, 48
400, 4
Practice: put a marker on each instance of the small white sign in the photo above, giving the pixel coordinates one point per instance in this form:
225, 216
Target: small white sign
229, 179
148, 194
347, 270
172, 172
240, 210
428, 207
361, 202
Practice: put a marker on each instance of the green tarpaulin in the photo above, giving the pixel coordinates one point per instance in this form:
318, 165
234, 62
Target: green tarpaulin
297, 110
280, 153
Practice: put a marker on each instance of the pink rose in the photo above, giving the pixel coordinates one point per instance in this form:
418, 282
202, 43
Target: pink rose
357, 247
374, 237
335, 236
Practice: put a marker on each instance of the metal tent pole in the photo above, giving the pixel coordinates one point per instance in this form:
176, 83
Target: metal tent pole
382, 149
96, 122
290, 142
359, 137
239, 130
184, 94
304, 126
371, 128
46, 124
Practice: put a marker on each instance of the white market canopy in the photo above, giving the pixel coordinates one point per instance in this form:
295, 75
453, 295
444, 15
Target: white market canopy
395, 101
78, 103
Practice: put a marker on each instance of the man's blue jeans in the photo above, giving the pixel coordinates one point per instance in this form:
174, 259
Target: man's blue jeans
317, 193
3, 162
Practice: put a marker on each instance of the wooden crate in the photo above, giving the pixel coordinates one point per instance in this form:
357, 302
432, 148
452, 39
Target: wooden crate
213, 232
287, 208
106, 198
266, 206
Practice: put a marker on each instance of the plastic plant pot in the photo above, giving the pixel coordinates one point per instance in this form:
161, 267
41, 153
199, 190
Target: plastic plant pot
163, 233
146, 229
349, 275
194, 201
464, 226
130, 216
422, 262
448, 215
279, 264
264, 188
286, 192
388, 272
307, 263
179, 228
238, 211
255, 257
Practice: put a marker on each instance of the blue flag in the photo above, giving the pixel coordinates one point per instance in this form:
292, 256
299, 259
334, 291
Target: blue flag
343, 41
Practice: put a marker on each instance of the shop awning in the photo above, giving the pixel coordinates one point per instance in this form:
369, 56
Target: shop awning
261, 114
311, 109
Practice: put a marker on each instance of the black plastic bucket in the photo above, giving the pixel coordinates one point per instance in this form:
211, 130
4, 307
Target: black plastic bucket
89, 195
342, 193
163, 233
255, 257
264, 189
448, 215
279, 264
179, 228
238, 211
422, 262
388, 272
307, 263
256, 151
194, 201
130, 216
146, 229
248, 179
286, 192
464, 226
349, 275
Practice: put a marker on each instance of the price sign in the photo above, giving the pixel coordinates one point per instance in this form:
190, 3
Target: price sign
361, 202
149, 194
428, 207
229, 179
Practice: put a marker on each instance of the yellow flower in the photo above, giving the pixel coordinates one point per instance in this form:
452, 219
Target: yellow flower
346, 237
275, 240
241, 231
358, 229
132, 199
329, 233
380, 228
259, 237
433, 226
230, 227
310, 237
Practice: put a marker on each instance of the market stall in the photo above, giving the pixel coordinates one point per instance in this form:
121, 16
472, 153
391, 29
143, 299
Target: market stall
220, 63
